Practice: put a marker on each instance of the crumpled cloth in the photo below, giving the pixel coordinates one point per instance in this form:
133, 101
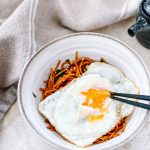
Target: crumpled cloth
29, 24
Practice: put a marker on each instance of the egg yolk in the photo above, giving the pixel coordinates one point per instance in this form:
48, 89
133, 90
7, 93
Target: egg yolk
96, 99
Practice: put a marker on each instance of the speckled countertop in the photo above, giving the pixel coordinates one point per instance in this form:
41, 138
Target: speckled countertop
16, 135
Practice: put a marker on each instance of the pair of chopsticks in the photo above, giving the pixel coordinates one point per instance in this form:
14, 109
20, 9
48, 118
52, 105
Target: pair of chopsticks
118, 97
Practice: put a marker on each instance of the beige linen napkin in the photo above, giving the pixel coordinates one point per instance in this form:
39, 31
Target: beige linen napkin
35, 22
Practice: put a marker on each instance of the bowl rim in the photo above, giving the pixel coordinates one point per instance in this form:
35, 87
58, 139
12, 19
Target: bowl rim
21, 108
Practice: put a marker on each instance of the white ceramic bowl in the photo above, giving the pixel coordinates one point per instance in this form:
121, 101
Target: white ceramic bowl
91, 45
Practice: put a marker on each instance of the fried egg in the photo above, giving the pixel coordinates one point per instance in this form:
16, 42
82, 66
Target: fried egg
83, 111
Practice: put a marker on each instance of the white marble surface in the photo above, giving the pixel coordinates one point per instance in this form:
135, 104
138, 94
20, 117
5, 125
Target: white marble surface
16, 135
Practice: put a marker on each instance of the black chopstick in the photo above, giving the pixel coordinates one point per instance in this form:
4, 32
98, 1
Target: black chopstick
142, 97
145, 106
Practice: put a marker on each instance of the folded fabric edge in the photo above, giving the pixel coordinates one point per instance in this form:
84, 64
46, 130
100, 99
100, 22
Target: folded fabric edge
7, 99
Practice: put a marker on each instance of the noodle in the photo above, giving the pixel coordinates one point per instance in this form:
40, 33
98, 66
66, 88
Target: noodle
68, 71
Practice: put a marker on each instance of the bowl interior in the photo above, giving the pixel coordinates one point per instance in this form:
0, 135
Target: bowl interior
90, 45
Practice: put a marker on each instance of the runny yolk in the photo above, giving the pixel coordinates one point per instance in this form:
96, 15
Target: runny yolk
96, 99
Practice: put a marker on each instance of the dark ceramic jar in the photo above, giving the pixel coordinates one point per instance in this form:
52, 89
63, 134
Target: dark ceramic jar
141, 29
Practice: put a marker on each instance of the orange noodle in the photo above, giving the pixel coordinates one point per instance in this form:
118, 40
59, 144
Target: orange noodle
64, 73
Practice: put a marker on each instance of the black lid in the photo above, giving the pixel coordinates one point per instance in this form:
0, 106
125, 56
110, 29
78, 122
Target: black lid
144, 9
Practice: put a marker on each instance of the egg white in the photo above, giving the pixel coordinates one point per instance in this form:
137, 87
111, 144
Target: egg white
119, 81
66, 113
